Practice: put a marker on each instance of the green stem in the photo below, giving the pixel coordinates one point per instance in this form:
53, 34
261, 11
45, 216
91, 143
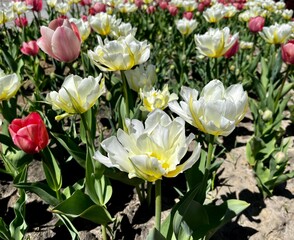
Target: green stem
125, 93
158, 204
210, 151
281, 88
104, 233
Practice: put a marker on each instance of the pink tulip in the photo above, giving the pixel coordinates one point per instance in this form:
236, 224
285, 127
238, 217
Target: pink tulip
173, 10
150, 9
36, 4
188, 15
99, 7
256, 24
163, 5
21, 22
30, 133
232, 51
288, 52
60, 40
30, 48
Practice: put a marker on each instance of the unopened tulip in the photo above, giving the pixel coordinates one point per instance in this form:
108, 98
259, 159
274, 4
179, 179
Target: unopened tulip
217, 111
36, 4
188, 15
185, 26
288, 52
152, 151
256, 24
21, 22
30, 48
9, 85
173, 10
30, 133
60, 40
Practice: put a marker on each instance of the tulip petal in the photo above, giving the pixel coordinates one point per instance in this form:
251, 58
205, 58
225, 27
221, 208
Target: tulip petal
45, 41
187, 164
147, 168
65, 44
118, 156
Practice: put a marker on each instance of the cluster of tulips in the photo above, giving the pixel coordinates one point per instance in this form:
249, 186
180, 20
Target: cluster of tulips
171, 77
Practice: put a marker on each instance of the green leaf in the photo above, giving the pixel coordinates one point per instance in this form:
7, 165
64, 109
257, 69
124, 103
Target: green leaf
72, 148
185, 220
42, 190
9, 59
52, 170
81, 205
154, 234
218, 216
70, 227
4, 232
18, 226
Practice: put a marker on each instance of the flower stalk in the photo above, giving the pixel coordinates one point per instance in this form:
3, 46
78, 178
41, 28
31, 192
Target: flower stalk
158, 204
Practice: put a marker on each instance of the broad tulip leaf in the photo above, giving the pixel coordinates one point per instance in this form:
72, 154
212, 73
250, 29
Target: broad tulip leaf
42, 190
154, 234
52, 170
72, 148
4, 232
81, 205
70, 227
18, 226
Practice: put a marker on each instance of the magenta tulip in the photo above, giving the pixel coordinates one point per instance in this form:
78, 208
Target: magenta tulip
288, 52
60, 40
30, 48
30, 133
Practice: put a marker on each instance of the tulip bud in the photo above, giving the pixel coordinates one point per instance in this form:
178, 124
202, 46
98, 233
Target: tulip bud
30, 133
280, 157
188, 15
288, 52
267, 115
36, 4
256, 24
21, 22
173, 10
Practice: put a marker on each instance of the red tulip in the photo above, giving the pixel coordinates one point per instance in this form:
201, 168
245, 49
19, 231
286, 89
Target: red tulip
30, 133
30, 48
256, 24
36, 4
288, 52
60, 40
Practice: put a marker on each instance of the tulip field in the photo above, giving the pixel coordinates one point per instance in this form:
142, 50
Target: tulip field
146, 119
